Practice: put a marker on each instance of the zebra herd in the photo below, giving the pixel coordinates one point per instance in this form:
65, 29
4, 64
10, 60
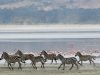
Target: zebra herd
20, 57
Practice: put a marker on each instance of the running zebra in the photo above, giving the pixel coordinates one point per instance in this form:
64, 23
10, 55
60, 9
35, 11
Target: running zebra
24, 57
37, 59
49, 56
32, 58
11, 59
82, 58
71, 60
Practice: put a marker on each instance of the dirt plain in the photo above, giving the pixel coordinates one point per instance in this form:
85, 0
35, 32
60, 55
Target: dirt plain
50, 69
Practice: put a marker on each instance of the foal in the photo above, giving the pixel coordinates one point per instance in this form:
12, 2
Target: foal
85, 58
11, 59
71, 60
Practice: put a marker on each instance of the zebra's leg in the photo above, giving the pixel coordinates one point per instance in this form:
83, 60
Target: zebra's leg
19, 65
63, 66
51, 61
90, 62
71, 66
81, 63
93, 62
11, 66
42, 64
60, 66
55, 60
34, 65
77, 65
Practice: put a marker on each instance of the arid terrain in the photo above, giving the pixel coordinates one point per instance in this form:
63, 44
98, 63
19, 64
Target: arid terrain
50, 69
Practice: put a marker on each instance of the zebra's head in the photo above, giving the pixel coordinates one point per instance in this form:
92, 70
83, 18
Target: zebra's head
78, 54
4, 55
19, 53
59, 56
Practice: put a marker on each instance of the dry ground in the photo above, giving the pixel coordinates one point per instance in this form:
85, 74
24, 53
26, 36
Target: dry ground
86, 69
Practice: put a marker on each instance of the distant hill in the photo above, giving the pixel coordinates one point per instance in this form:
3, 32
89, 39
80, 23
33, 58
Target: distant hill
49, 12
66, 16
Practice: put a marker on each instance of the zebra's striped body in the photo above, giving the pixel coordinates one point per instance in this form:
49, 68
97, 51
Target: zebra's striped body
85, 58
71, 60
49, 56
38, 59
11, 59
24, 57
32, 58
